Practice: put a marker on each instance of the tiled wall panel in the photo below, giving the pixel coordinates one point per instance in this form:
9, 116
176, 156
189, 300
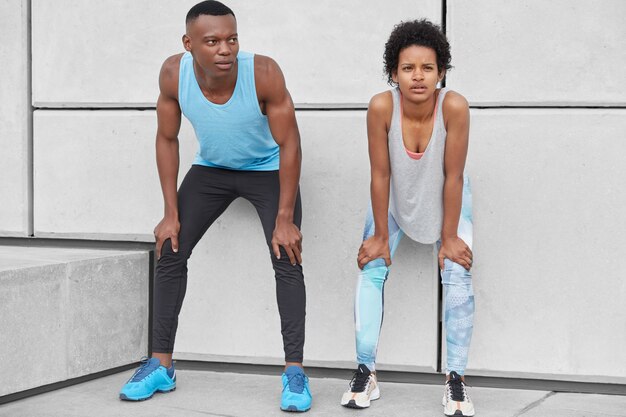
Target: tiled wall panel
548, 212
109, 53
533, 52
108, 189
232, 295
14, 107
95, 174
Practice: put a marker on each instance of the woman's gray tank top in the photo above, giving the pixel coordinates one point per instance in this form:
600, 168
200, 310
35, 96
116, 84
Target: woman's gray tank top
416, 188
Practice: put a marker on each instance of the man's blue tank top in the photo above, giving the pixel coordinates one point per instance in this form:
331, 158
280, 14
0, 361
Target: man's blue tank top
236, 134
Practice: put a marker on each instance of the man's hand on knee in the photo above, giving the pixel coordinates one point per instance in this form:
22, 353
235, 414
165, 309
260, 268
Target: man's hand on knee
167, 228
287, 235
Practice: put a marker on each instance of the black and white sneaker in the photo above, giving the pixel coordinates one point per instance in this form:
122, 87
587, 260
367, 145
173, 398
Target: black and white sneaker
456, 401
363, 388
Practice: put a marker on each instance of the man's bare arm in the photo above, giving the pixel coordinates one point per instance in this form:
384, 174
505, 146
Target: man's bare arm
281, 115
167, 155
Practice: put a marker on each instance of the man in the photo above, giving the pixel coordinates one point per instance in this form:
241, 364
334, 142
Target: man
244, 120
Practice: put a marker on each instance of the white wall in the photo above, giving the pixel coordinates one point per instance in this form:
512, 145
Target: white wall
14, 110
535, 52
119, 47
548, 207
112, 152
95, 173
547, 182
231, 299
108, 187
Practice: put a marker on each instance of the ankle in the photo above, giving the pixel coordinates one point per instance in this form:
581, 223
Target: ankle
288, 364
164, 358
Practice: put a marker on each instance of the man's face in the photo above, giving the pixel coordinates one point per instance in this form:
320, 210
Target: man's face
417, 73
213, 42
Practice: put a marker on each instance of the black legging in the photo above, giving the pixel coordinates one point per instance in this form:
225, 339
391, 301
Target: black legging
203, 196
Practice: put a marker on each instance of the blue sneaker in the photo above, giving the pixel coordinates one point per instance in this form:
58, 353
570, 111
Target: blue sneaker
296, 393
149, 378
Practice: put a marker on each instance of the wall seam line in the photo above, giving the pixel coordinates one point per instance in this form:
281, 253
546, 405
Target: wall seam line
30, 122
339, 109
440, 315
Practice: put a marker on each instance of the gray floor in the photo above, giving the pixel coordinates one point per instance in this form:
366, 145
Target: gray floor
220, 394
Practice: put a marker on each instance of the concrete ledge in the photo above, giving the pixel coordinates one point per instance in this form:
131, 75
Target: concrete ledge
69, 313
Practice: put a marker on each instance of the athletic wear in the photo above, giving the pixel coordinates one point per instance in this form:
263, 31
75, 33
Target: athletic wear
362, 389
458, 295
368, 304
233, 135
416, 185
456, 401
237, 157
296, 394
149, 378
203, 196
414, 155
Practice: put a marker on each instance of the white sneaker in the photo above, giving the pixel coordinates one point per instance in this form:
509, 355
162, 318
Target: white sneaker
363, 388
456, 401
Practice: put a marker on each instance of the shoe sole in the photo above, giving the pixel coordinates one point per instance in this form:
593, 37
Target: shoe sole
294, 409
458, 413
353, 404
124, 397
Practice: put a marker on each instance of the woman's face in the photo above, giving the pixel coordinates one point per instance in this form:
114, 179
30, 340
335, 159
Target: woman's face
417, 74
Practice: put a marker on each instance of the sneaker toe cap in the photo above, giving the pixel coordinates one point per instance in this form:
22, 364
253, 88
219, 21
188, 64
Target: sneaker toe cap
290, 400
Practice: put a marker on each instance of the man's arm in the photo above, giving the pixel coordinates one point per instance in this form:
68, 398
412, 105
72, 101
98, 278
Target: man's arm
378, 115
168, 117
456, 112
279, 108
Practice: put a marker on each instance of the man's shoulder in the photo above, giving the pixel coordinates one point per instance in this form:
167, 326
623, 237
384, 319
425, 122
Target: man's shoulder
263, 63
172, 63
168, 77
268, 78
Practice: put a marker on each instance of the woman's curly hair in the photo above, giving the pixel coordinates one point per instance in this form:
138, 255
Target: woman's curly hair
415, 32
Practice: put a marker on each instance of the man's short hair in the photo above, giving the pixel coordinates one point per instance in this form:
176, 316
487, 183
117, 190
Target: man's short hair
210, 7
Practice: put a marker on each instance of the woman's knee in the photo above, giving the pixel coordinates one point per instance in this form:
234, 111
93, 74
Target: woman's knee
455, 274
375, 275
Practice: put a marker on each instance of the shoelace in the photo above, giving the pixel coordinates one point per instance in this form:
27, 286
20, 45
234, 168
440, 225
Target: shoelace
144, 370
296, 383
456, 390
359, 381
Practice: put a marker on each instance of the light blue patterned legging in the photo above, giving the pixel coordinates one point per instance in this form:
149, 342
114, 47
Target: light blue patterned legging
458, 295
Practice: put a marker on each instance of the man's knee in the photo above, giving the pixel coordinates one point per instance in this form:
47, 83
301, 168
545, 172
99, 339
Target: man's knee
169, 257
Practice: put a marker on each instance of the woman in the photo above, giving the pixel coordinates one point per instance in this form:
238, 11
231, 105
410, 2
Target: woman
418, 139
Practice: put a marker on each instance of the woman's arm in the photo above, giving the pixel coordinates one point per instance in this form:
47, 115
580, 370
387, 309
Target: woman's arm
378, 119
456, 118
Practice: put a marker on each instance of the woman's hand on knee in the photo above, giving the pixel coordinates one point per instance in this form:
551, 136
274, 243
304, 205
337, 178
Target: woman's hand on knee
457, 251
373, 248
